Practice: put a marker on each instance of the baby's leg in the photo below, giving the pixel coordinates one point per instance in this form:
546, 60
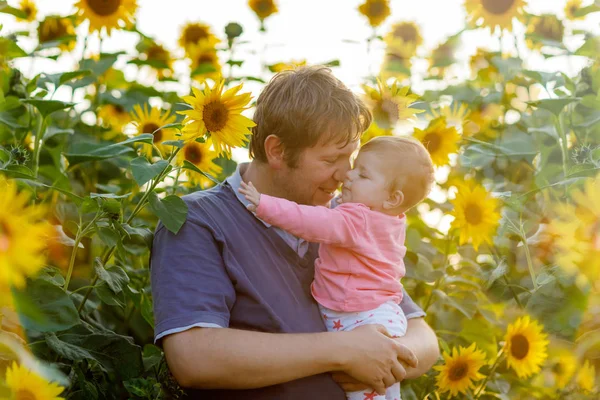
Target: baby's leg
389, 315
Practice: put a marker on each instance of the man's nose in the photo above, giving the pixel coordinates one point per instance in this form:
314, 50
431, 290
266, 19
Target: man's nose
342, 171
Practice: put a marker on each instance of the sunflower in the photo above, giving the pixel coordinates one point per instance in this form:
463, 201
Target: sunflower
157, 57
390, 104
577, 231
494, 13
287, 66
29, 9
23, 235
193, 32
376, 11
57, 29
572, 8
403, 39
149, 121
542, 29
263, 8
460, 370
115, 117
525, 347
374, 131
475, 214
106, 14
586, 378
395, 66
562, 367
483, 120
439, 139
456, 114
482, 68
443, 56
219, 115
205, 61
202, 156
25, 384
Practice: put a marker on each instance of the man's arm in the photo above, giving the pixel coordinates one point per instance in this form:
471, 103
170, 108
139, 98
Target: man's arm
236, 359
423, 342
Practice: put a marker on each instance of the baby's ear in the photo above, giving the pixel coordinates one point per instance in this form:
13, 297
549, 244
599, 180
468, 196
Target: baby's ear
395, 200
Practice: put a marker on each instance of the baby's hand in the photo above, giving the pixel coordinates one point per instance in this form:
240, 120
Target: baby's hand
251, 194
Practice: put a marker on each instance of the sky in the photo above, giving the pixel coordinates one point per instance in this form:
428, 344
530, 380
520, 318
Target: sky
316, 30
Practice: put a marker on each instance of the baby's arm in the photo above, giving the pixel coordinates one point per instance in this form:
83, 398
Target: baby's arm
341, 225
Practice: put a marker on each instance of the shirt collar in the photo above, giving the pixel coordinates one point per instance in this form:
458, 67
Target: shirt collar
235, 181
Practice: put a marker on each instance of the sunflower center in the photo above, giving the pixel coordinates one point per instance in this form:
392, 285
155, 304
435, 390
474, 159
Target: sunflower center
264, 6
473, 214
51, 30
406, 32
150, 127
194, 34
193, 154
205, 58
157, 53
24, 394
104, 7
215, 116
432, 141
119, 109
519, 347
28, 11
458, 371
557, 368
4, 237
376, 9
497, 7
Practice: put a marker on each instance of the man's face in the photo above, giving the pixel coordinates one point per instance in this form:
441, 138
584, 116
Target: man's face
319, 172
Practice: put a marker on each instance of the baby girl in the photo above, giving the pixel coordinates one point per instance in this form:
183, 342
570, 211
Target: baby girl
360, 263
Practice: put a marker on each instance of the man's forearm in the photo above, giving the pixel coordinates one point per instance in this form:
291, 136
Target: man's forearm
421, 339
236, 359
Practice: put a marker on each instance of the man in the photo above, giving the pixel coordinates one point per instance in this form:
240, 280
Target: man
232, 296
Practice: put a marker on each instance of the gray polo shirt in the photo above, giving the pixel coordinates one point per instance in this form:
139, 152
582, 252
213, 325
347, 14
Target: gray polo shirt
227, 268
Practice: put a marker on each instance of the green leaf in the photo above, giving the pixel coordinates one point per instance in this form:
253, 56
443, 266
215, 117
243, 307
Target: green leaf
143, 171
18, 171
107, 296
152, 356
476, 331
497, 273
55, 131
83, 152
11, 49
6, 9
108, 236
464, 308
190, 166
555, 106
171, 210
176, 143
590, 48
44, 307
115, 277
114, 353
47, 107
67, 350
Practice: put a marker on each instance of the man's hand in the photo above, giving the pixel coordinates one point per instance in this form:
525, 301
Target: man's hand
251, 194
373, 358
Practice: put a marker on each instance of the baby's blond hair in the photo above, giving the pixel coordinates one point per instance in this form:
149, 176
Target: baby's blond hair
408, 166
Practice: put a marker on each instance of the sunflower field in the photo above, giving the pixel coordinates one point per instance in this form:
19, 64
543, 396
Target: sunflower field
504, 255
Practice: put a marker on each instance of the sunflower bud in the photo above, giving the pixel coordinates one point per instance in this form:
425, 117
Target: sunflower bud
233, 30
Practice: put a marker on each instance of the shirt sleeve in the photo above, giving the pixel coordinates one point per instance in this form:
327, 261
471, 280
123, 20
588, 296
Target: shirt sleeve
341, 226
190, 285
410, 308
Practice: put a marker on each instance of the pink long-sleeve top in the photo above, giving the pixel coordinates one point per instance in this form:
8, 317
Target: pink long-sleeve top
361, 257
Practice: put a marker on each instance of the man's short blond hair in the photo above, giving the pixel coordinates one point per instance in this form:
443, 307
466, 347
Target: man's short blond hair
304, 107
408, 166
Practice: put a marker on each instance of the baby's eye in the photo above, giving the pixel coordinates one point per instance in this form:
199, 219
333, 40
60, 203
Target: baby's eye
362, 176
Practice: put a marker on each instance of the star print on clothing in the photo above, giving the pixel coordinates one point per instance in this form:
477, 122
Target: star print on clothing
370, 396
337, 325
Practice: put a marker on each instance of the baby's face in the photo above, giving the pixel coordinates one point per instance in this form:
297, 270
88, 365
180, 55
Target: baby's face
367, 182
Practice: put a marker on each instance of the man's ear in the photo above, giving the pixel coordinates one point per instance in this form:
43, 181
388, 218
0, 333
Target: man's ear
395, 200
274, 151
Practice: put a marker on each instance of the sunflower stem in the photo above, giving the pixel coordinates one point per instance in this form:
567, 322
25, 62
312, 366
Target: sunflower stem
37, 145
72, 261
479, 391
563, 144
529, 260
137, 209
